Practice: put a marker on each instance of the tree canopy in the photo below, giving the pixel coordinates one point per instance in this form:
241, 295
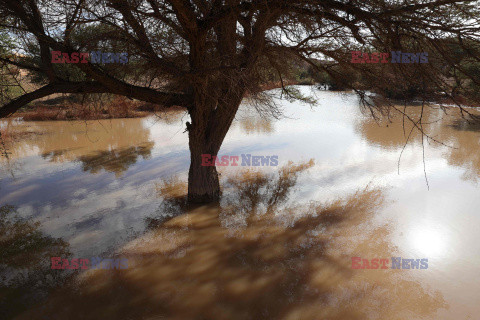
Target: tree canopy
206, 55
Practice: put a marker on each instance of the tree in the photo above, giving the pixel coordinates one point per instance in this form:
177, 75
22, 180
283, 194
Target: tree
206, 55
8, 75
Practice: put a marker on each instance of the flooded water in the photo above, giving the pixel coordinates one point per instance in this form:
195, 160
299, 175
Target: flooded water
281, 242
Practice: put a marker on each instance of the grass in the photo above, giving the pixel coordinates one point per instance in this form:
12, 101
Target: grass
5, 138
5, 134
117, 108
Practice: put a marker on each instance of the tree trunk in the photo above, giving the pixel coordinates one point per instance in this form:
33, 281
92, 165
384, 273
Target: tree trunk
203, 183
206, 134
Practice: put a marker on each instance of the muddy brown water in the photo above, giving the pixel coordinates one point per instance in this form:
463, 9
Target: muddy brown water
281, 242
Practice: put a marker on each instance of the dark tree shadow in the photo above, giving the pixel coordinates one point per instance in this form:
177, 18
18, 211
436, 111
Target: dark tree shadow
465, 125
26, 277
257, 255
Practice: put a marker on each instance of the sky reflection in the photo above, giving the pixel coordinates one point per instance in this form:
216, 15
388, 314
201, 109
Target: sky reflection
95, 184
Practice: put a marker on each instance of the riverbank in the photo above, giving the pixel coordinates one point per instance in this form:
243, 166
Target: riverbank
67, 108
119, 107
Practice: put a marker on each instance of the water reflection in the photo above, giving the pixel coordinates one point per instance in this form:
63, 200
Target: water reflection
285, 261
256, 125
170, 117
465, 125
116, 161
253, 192
58, 141
98, 213
458, 139
254, 122
393, 131
465, 137
429, 240
173, 192
25, 274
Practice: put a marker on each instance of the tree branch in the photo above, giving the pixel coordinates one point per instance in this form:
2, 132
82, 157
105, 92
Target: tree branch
139, 93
